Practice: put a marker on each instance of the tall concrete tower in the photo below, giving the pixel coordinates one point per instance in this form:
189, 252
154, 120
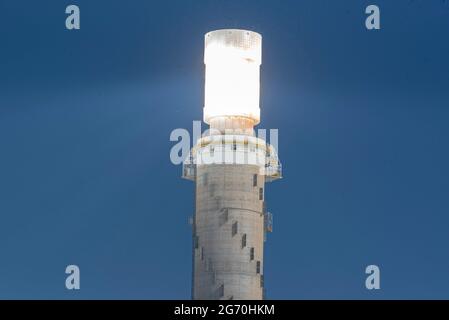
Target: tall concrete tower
230, 166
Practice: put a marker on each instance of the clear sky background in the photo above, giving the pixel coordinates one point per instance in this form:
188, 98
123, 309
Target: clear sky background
85, 119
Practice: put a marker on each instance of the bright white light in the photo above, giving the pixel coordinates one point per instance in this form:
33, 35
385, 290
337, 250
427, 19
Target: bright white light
232, 59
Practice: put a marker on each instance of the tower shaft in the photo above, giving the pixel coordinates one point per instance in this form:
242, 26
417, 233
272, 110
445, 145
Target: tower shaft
229, 232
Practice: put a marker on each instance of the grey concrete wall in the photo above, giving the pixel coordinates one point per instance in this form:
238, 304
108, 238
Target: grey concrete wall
223, 269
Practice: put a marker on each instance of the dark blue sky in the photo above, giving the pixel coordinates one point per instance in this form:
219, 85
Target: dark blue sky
85, 119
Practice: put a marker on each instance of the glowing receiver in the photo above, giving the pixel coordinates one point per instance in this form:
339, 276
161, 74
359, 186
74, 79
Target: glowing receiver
232, 58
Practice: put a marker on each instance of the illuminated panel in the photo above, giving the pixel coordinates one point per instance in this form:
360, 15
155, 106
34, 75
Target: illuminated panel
232, 59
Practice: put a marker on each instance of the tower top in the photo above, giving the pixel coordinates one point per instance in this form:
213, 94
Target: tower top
232, 58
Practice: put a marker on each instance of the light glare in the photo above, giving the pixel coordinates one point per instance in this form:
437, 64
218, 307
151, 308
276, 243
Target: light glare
232, 59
